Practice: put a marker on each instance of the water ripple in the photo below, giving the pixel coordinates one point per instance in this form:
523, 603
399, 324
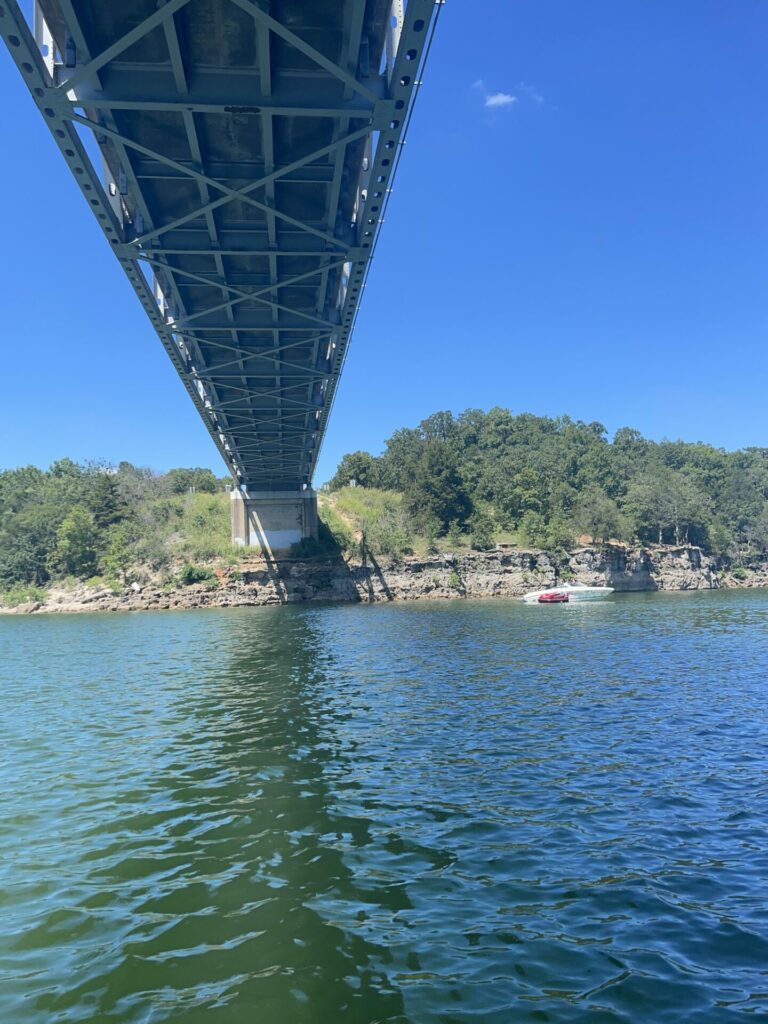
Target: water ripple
450, 813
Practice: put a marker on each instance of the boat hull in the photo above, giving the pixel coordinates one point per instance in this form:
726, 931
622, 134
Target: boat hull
575, 594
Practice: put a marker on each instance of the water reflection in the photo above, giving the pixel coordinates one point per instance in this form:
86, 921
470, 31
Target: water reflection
227, 863
436, 813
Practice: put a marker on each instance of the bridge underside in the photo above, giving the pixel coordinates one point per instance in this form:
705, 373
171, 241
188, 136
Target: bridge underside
245, 156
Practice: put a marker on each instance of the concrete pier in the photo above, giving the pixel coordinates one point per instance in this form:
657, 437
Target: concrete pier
273, 520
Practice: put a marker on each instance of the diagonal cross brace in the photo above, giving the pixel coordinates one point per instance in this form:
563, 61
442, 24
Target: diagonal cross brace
254, 392
243, 355
309, 51
199, 176
263, 181
243, 295
89, 70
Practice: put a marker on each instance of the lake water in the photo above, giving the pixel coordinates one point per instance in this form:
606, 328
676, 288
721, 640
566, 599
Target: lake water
443, 812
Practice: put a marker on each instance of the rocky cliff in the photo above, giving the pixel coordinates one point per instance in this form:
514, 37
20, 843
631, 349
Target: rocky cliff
500, 573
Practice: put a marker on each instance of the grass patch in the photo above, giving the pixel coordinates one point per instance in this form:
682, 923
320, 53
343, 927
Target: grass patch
336, 525
102, 582
377, 517
360, 503
21, 594
191, 526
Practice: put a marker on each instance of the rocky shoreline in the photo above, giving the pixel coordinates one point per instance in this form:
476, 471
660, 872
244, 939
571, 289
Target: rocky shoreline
504, 572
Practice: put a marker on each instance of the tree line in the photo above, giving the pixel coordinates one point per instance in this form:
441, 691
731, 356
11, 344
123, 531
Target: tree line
551, 480
476, 476
82, 520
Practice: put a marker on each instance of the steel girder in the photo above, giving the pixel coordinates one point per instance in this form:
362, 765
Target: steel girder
248, 155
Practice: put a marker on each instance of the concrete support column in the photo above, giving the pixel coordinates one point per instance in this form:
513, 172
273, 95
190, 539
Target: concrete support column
273, 520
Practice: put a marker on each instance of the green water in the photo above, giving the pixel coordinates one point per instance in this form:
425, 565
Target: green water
453, 812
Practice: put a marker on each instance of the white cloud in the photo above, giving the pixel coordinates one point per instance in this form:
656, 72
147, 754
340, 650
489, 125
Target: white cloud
525, 94
500, 99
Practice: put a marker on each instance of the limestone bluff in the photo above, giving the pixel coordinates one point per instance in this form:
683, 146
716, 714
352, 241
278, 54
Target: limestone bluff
504, 573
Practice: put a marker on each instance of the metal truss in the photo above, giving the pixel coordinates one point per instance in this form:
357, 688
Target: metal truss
246, 172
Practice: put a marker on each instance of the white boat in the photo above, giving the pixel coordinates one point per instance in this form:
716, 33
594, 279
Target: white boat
575, 592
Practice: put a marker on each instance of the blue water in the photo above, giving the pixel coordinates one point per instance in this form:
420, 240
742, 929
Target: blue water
443, 812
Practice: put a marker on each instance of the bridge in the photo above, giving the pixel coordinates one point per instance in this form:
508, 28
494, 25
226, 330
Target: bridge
239, 156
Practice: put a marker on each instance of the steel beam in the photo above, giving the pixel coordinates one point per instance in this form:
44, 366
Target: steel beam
212, 188
90, 69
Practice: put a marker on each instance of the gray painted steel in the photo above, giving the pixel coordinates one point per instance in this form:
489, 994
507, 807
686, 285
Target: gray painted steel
248, 151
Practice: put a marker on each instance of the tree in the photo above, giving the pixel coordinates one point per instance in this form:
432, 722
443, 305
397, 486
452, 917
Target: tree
180, 481
664, 500
691, 509
386, 533
358, 467
106, 502
77, 544
649, 505
22, 559
554, 535
598, 515
137, 484
398, 463
720, 540
481, 531
120, 553
435, 491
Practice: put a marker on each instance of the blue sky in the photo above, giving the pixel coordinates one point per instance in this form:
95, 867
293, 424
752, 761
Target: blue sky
579, 226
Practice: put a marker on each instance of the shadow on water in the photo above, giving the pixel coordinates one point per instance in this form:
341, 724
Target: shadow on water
465, 811
228, 870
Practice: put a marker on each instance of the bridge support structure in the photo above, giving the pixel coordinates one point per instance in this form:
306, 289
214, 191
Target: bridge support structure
273, 520
247, 153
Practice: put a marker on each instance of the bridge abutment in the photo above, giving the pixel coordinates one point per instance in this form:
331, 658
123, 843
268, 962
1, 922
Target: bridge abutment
273, 520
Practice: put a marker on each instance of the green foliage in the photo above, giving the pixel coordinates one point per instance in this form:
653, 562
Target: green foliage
358, 468
103, 582
379, 517
481, 531
454, 580
599, 516
190, 574
182, 481
77, 543
435, 491
119, 555
330, 520
387, 534
80, 520
554, 534
740, 573
192, 526
21, 594
106, 503
326, 545
473, 477
431, 531
720, 539
545, 481
667, 504
386, 530
358, 503
453, 535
